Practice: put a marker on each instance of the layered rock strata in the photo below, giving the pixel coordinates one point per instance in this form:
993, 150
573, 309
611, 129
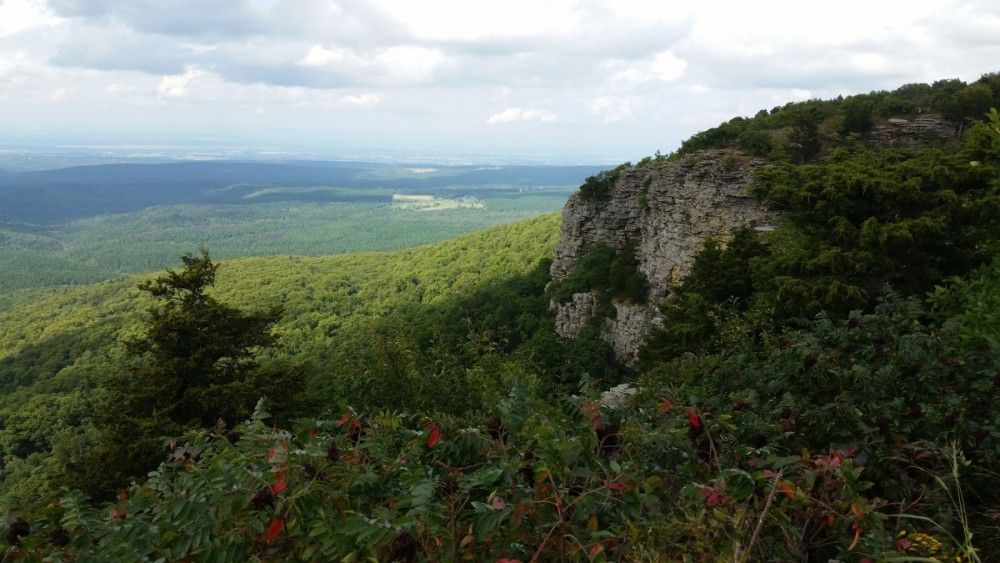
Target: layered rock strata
664, 211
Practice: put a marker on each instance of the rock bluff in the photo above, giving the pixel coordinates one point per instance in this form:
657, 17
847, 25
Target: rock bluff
664, 211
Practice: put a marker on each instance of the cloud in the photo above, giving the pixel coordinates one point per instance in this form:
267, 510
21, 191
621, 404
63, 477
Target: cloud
511, 115
319, 56
664, 66
354, 21
366, 100
409, 64
187, 18
393, 66
613, 109
431, 70
18, 16
176, 86
99, 48
357, 42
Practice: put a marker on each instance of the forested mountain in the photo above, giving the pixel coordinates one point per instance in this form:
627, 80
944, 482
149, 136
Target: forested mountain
824, 388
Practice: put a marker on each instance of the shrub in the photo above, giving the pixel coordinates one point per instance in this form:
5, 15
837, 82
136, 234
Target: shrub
598, 187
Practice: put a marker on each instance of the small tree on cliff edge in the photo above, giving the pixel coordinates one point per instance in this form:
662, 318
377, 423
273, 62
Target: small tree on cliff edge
194, 367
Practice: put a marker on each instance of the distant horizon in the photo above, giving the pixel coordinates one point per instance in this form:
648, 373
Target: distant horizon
178, 148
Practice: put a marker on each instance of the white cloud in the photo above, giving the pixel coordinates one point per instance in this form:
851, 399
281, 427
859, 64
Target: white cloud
450, 20
320, 56
612, 109
366, 100
176, 86
511, 115
393, 66
12, 60
409, 64
664, 66
17, 16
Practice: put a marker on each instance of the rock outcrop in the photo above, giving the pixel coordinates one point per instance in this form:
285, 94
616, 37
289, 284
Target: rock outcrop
664, 211
908, 133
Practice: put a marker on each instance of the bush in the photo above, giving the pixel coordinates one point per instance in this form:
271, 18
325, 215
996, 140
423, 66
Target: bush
612, 274
598, 187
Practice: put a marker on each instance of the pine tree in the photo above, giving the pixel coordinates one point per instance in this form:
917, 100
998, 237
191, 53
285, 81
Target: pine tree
195, 367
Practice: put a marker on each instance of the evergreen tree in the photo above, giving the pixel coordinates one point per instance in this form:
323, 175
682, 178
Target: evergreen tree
195, 367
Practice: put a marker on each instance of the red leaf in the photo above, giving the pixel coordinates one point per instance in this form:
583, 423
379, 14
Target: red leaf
598, 547
435, 435
665, 404
274, 529
857, 536
713, 499
343, 420
788, 490
596, 422
278, 487
693, 418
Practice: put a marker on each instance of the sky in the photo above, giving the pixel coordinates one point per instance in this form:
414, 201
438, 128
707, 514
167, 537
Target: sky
568, 81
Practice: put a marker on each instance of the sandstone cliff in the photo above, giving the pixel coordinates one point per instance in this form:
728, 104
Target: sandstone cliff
664, 210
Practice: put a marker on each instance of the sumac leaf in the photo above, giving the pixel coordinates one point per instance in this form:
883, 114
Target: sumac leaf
435, 435
274, 529
693, 418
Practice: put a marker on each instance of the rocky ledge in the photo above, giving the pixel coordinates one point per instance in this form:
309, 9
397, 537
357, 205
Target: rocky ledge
663, 210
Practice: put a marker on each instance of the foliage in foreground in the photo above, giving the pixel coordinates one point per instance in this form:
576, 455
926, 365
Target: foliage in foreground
556, 479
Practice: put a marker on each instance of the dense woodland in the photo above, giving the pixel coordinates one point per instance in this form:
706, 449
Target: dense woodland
826, 390
55, 224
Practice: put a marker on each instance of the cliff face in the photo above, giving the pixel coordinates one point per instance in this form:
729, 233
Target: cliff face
664, 211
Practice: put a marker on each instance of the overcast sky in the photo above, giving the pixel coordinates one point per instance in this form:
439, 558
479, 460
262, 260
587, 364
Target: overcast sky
564, 80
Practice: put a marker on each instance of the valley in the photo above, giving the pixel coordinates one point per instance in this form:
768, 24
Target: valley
92, 223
